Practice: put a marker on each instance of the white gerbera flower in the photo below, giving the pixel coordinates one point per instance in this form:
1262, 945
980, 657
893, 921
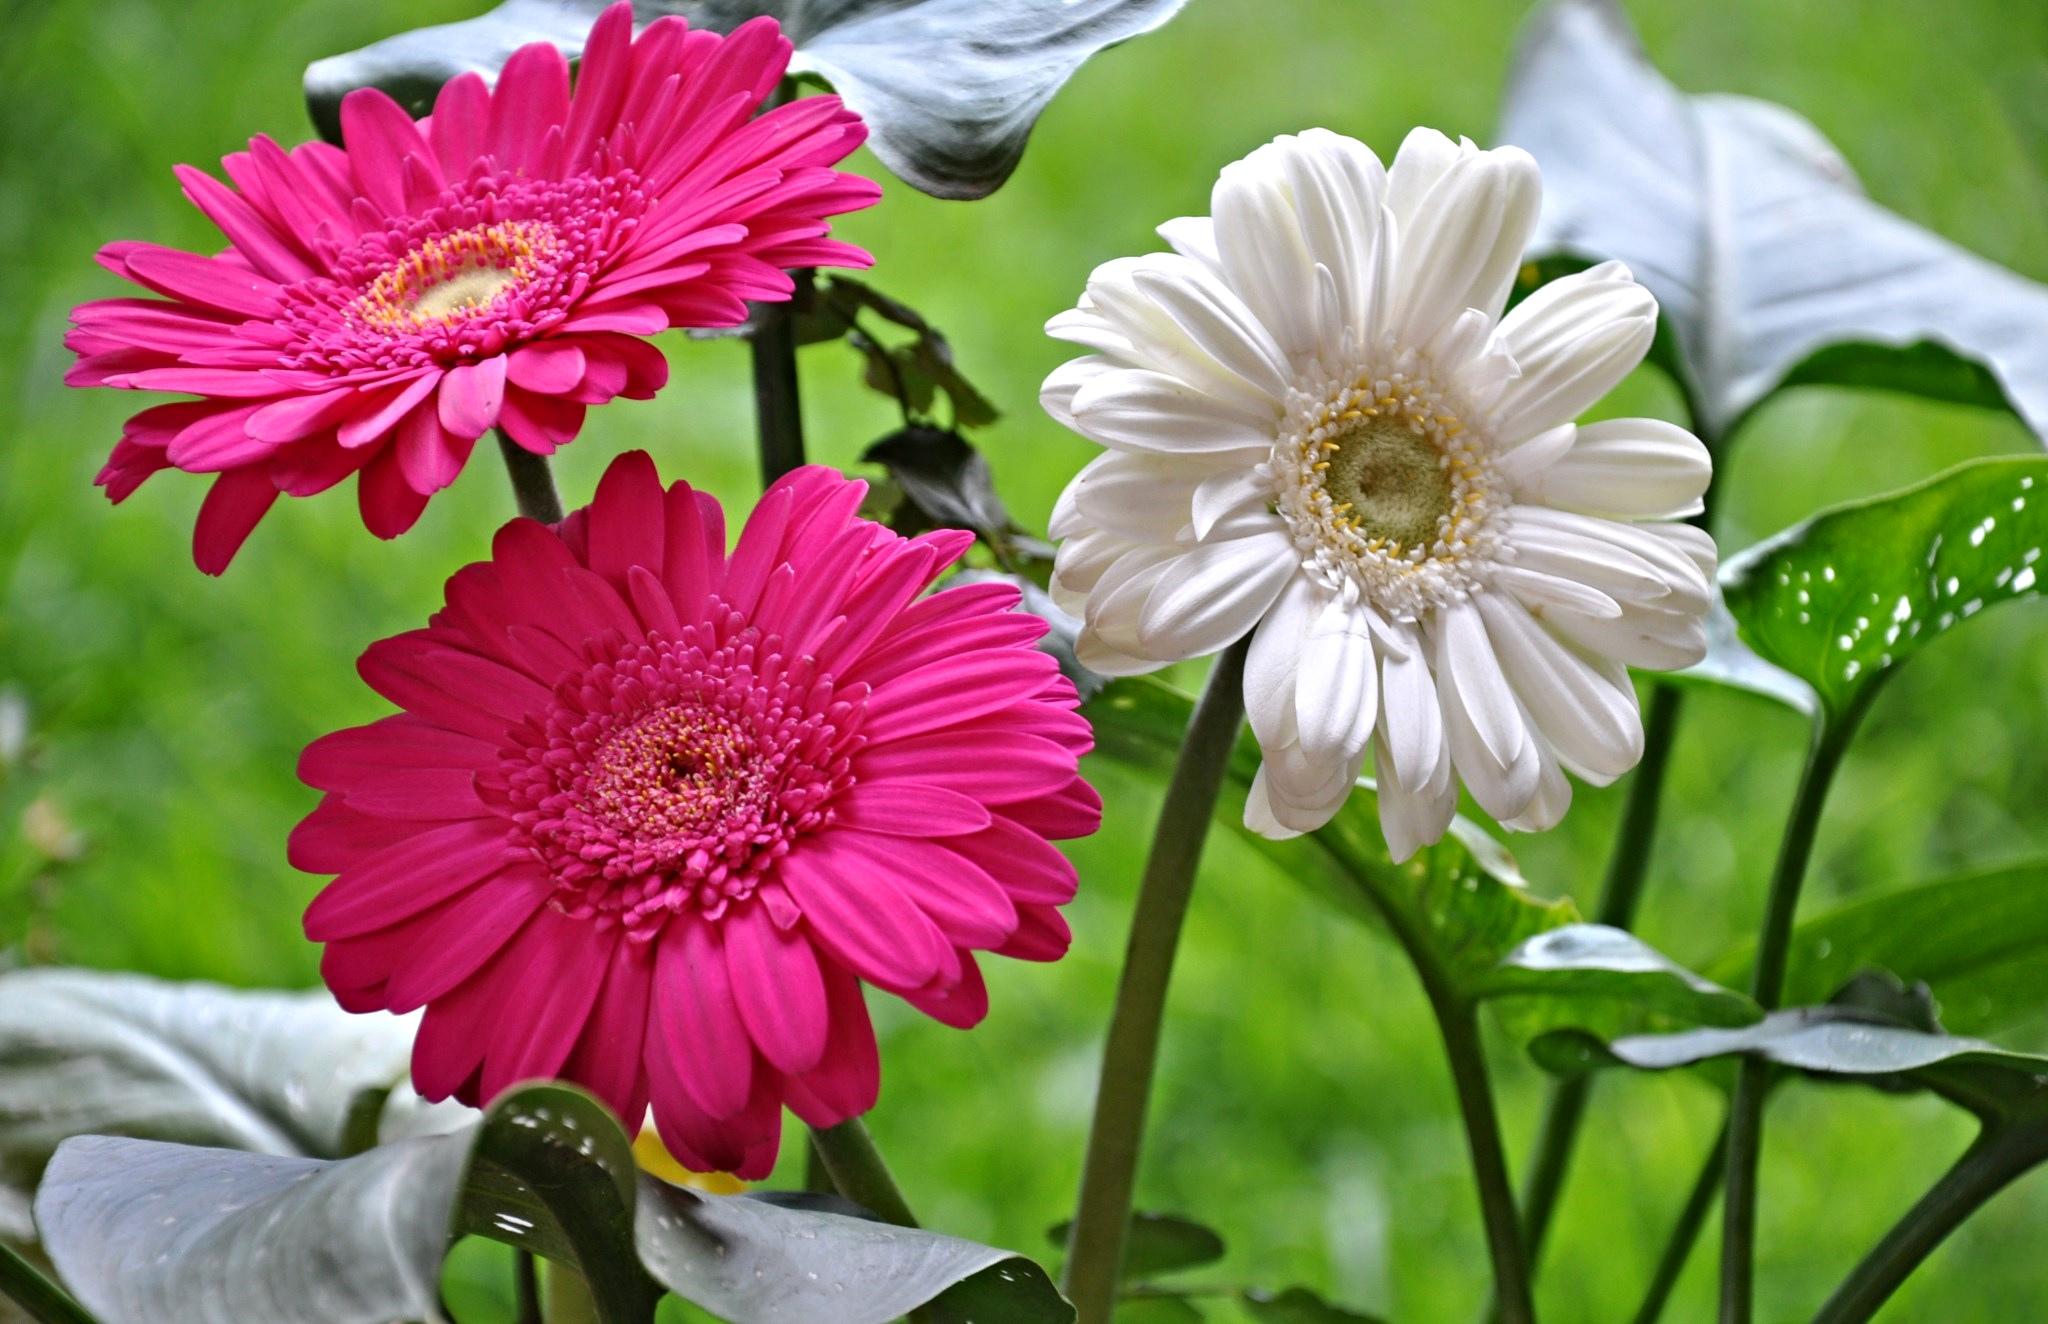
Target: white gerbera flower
1320, 427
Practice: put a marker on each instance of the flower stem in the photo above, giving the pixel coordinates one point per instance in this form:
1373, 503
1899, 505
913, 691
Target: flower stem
1684, 1233
1459, 1024
1746, 1109
1095, 1246
2000, 1154
525, 1288
533, 482
1627, 869
778, 409
43, 1300
856, 1168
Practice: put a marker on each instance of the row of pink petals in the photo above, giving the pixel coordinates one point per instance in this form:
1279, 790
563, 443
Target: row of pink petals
736, 200
940, 849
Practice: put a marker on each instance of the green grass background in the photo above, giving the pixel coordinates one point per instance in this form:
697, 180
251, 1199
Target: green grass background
1303, 1106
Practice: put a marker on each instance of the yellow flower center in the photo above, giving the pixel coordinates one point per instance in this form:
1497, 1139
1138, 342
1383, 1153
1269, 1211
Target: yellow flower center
454, 273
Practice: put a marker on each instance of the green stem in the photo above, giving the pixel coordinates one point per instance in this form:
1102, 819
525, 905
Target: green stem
778, 409
1627, 869
45, 1302
2001, 1153
1686, 1232
1095, 1246
570, 1300
1459, 1024
533, 482
856, 1168
1774, 945
525, 1288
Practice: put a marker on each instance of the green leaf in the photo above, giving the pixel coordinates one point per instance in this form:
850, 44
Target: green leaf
1732, 664
1831, 1041
1608, 981
1768, 262
1158, 1243
276, 1073
949, 88
1461, 902
1843, 598
1976, 939
945, 478
1163, 1308
1298, 1305
152, 1233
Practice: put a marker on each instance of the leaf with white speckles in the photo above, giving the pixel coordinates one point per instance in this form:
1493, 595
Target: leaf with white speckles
1845, 597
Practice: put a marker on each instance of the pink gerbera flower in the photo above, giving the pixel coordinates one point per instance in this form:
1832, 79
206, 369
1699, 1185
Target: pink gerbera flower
650, 812
379, 308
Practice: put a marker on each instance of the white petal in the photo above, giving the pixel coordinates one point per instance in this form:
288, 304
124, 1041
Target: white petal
1056, 396
1574, 340
1587, 711
1084, 326
1495, 754
1103, 660
1539, 592
1080, 563
1183, 320
1214, 593
1258, 811
1643, 637
1227, 494
1302, 793
1411, 721
1118, 597
1525, 462
1463, 245
1610, 555
1260, 247
1547, 807
1193, 236
1147, 498
1137, 410
1336, 695
1629, 468
1696, 543
1424, 157
1274, 657
1412, 819
1337, 188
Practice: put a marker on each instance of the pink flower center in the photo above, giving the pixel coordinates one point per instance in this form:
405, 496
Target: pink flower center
491, 262
672, 775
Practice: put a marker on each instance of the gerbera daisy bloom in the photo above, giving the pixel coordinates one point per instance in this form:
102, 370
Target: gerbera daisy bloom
651, 813
381, 306
1322, 431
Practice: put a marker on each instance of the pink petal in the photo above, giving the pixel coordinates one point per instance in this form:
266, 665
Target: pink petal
219, 441
864, 920
700, 1022
607, 1059
1042, 935
471, 394
626, 521
456, 128
379, 418
961, 1005
954, 691
846, 1083
1030, 868
778, 987
540, 423
237, 500
403, 879
1075, 810
380, 138
532, 96
693, 565
472, 931
547, 367
389, 505
995, 767
969, 907
910, 810
556, 970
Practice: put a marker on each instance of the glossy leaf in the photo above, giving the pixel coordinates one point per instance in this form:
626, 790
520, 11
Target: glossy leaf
1462, 903
84, 1052
1831, 1041
1769, 263
176, 1234
1976, 940
945, 478
1732, 664
949, 88
1158, 1243
1608, 981
146, 1232
1844, 597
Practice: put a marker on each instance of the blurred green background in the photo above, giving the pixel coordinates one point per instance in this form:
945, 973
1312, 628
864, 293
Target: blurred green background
1303, 1106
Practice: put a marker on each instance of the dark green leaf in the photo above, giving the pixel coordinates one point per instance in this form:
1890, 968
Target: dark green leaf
761, 1262
1769, 263
945, 477
1158, 1243
1976, 939
153, 1233
1298, 1305
1831, 1041
1608, 981
1844, 597
1461, 902
83, 1052
1163, 1308
949, 88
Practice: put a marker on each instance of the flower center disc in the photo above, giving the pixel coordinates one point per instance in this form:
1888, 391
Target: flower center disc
454, 273
1388, 481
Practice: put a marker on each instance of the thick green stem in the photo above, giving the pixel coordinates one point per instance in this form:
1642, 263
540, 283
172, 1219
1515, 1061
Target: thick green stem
570, 1300
2002, 1153
45, 1302
533, 482
1678, 1247
778, 409
856, 1168
1459, 1024
525, 1288
1095, 1246
1627, 869
1774, 946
